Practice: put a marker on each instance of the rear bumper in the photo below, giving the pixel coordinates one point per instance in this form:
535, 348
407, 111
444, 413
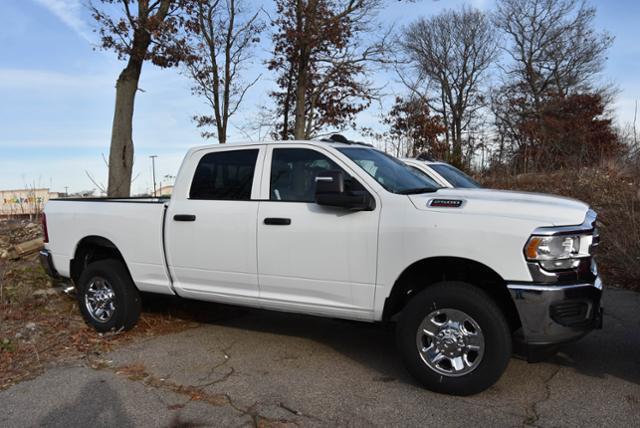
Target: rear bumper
554, 314
46, 260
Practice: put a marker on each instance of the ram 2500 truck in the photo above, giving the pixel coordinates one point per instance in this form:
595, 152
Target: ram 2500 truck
340, 229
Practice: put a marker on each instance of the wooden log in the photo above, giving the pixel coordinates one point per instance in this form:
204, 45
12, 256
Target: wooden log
26, 248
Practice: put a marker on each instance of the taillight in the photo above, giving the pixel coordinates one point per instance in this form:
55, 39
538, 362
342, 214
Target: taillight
45, 232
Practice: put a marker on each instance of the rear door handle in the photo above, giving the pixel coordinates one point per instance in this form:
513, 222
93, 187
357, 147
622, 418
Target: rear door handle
184, 217
277, 221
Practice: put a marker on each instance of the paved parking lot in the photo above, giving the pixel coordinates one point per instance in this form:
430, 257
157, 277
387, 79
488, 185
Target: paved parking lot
250, 367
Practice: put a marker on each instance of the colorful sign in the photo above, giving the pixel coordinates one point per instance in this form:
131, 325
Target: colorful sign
23, 201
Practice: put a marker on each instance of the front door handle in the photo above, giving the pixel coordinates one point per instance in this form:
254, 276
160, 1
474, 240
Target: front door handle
184, 217
277, 221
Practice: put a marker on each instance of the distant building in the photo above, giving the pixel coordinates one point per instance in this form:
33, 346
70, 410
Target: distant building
24, 202
165, 190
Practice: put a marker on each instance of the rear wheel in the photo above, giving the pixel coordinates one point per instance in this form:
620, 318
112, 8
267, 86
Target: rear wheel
107, 297
454, 338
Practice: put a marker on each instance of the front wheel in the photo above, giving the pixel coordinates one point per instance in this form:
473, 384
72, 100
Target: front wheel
107, 297
454, 338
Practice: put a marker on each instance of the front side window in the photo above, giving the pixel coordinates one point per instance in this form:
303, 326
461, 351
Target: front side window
225, 175
294, 172
392, 174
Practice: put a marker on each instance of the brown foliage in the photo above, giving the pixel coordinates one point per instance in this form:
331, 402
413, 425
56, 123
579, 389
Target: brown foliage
142, 30
321, 70
412, 120
569, 131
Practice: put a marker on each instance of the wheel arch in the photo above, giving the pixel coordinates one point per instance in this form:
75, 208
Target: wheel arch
90, 249
425, 272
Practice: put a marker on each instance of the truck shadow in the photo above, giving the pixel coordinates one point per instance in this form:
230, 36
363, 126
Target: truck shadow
372, 345
97, 404
614, 351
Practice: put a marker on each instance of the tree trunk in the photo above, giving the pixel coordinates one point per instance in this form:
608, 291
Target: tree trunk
287, 104
121, 152
301, 89
222, 130
299, 125
456, 158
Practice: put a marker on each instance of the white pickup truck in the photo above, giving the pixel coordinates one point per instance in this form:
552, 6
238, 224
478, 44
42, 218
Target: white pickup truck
339, 229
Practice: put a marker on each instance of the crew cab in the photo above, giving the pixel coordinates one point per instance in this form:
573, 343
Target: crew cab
340, 229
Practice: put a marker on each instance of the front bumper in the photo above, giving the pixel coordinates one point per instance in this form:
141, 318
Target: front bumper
554, 314
46, 260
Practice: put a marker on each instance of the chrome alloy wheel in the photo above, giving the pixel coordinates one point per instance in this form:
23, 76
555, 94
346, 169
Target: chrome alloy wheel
450, 342
100, 300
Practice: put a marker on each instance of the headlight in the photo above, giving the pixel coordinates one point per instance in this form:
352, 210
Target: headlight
558, 252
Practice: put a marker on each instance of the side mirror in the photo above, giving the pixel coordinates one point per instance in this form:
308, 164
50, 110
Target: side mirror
331, 191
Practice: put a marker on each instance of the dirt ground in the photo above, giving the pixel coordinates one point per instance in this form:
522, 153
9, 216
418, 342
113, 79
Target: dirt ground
40, 325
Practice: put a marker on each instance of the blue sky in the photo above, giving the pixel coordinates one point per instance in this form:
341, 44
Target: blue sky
57, 92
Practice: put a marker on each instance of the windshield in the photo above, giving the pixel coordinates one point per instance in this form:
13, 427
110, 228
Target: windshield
391, 173
454, 176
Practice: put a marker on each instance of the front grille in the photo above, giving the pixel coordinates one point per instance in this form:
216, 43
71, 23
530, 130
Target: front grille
570, 313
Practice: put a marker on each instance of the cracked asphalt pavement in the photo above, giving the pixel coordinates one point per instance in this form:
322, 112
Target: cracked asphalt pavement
258, 368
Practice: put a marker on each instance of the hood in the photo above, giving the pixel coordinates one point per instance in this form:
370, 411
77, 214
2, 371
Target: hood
546, 209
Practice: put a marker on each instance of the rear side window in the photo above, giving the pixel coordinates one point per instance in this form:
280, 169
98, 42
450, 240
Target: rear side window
226, 175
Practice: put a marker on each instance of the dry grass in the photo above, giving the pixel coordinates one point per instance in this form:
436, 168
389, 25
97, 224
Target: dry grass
40, 326
38, 330
615, 195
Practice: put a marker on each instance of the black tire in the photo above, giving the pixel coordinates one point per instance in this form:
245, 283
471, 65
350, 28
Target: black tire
474, 302
127, 298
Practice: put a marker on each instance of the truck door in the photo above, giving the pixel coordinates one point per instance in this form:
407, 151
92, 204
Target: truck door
211, 226
311, 258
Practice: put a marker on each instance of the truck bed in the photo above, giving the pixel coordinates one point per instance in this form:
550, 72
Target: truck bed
131, 199
133, 225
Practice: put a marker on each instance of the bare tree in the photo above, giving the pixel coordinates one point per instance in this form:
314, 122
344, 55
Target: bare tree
554, 55
451, 53
553, 46
220, 42
137, 31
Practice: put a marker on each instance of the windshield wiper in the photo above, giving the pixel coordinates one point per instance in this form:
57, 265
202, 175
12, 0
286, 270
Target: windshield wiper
417, 190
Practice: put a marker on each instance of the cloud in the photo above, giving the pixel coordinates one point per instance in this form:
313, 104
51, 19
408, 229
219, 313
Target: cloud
70, 12
13, 78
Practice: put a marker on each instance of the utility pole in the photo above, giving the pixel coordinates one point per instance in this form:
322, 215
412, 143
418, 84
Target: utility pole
153, 167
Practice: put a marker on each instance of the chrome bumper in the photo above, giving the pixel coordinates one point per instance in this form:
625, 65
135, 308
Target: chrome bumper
553, 314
